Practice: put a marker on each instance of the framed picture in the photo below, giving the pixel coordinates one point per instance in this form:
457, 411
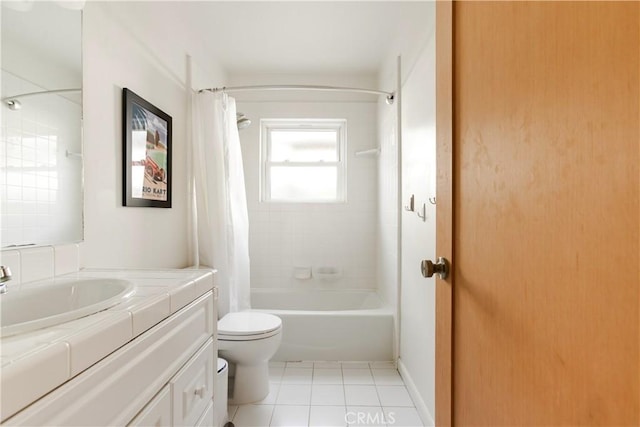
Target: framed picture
146, 153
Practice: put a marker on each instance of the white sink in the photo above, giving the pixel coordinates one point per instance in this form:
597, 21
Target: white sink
43, 305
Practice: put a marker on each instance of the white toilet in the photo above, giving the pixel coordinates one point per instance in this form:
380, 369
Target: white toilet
249, 339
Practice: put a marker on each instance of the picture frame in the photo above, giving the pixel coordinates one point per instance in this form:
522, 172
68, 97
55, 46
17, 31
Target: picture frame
146, 153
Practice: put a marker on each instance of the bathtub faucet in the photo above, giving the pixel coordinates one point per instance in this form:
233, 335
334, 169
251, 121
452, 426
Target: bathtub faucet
5, 276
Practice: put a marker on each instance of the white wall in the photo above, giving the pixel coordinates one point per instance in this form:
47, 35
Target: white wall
408, 45
416, 150
417, 313
148, 56
342, 235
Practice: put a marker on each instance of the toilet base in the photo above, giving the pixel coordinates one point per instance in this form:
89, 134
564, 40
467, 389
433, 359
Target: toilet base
251, 383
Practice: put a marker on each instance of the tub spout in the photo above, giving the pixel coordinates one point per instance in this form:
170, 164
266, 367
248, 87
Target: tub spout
5, 276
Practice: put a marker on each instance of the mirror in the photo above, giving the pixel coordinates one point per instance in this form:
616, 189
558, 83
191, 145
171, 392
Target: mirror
41, 139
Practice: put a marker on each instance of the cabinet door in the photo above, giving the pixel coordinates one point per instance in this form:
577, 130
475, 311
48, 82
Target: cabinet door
192, 387
207, 419
157, 413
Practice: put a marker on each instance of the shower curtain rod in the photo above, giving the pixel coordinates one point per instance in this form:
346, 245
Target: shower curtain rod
389, 95
42, 92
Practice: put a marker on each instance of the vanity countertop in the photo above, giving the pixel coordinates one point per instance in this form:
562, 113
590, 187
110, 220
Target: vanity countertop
34, 363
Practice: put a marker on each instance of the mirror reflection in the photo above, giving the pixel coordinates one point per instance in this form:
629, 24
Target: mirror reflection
41, 146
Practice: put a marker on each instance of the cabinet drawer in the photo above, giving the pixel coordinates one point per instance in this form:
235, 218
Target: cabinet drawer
157, 413
207, 418
192, 387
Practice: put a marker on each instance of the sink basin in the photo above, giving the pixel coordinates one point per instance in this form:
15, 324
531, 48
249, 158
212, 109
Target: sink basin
43, 305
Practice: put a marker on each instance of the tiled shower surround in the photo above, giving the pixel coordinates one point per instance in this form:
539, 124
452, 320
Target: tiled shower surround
284, 236
41, 165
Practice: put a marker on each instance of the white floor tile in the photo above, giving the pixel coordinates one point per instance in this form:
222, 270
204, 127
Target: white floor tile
328, 416
271, 397
302, 364
382, 365
402, 417
327, 365
361, 395
361, 416
387, 377
327, 394
294, 394
327, 376
373, 394
275, 373
355, 365
394, 395
293, 416
357, 376
253, 416
297, 375
231, 411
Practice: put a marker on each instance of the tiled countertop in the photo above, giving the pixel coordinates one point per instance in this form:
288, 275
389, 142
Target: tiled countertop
35, 363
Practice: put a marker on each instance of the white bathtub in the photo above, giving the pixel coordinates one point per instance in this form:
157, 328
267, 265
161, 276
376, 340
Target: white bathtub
349, 325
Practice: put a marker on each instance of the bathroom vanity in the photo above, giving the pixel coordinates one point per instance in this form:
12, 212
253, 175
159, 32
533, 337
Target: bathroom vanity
147, 361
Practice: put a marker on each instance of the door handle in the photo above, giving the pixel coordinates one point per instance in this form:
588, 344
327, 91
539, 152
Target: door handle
441, 268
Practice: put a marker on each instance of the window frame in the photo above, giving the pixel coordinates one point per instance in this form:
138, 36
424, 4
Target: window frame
269, 125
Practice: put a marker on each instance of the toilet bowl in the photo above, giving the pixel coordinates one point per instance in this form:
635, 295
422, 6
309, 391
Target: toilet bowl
248, 340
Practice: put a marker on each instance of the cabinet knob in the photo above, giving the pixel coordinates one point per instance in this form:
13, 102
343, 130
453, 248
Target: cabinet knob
200, 391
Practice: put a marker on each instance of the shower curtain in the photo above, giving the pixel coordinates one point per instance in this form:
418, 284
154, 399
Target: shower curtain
221, 218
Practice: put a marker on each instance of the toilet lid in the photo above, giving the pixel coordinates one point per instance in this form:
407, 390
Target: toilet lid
245, 323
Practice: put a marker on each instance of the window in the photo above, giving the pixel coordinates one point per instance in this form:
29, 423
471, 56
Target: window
303, 160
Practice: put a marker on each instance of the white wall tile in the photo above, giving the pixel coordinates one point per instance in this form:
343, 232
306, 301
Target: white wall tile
66, 259
36, 263
12, 260
283, 236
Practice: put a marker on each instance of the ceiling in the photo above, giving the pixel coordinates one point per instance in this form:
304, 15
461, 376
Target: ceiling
302, 36
252, 37
46, 29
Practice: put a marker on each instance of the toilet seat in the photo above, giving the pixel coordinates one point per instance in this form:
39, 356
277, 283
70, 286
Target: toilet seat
248, 326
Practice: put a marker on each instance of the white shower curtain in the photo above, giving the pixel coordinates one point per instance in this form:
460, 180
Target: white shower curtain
222, 224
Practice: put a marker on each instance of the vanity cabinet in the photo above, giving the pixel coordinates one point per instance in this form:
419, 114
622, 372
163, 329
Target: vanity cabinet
192, 388
157, 412
187, 399
163, 377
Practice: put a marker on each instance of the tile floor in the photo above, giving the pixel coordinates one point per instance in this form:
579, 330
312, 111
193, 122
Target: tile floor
328, 394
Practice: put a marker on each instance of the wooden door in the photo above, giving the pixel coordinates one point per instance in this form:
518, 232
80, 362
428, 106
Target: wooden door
545, 173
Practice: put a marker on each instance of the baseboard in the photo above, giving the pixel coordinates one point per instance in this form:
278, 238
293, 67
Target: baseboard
421, 406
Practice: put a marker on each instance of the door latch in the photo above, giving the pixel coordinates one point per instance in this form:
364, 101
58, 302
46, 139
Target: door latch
441, 268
